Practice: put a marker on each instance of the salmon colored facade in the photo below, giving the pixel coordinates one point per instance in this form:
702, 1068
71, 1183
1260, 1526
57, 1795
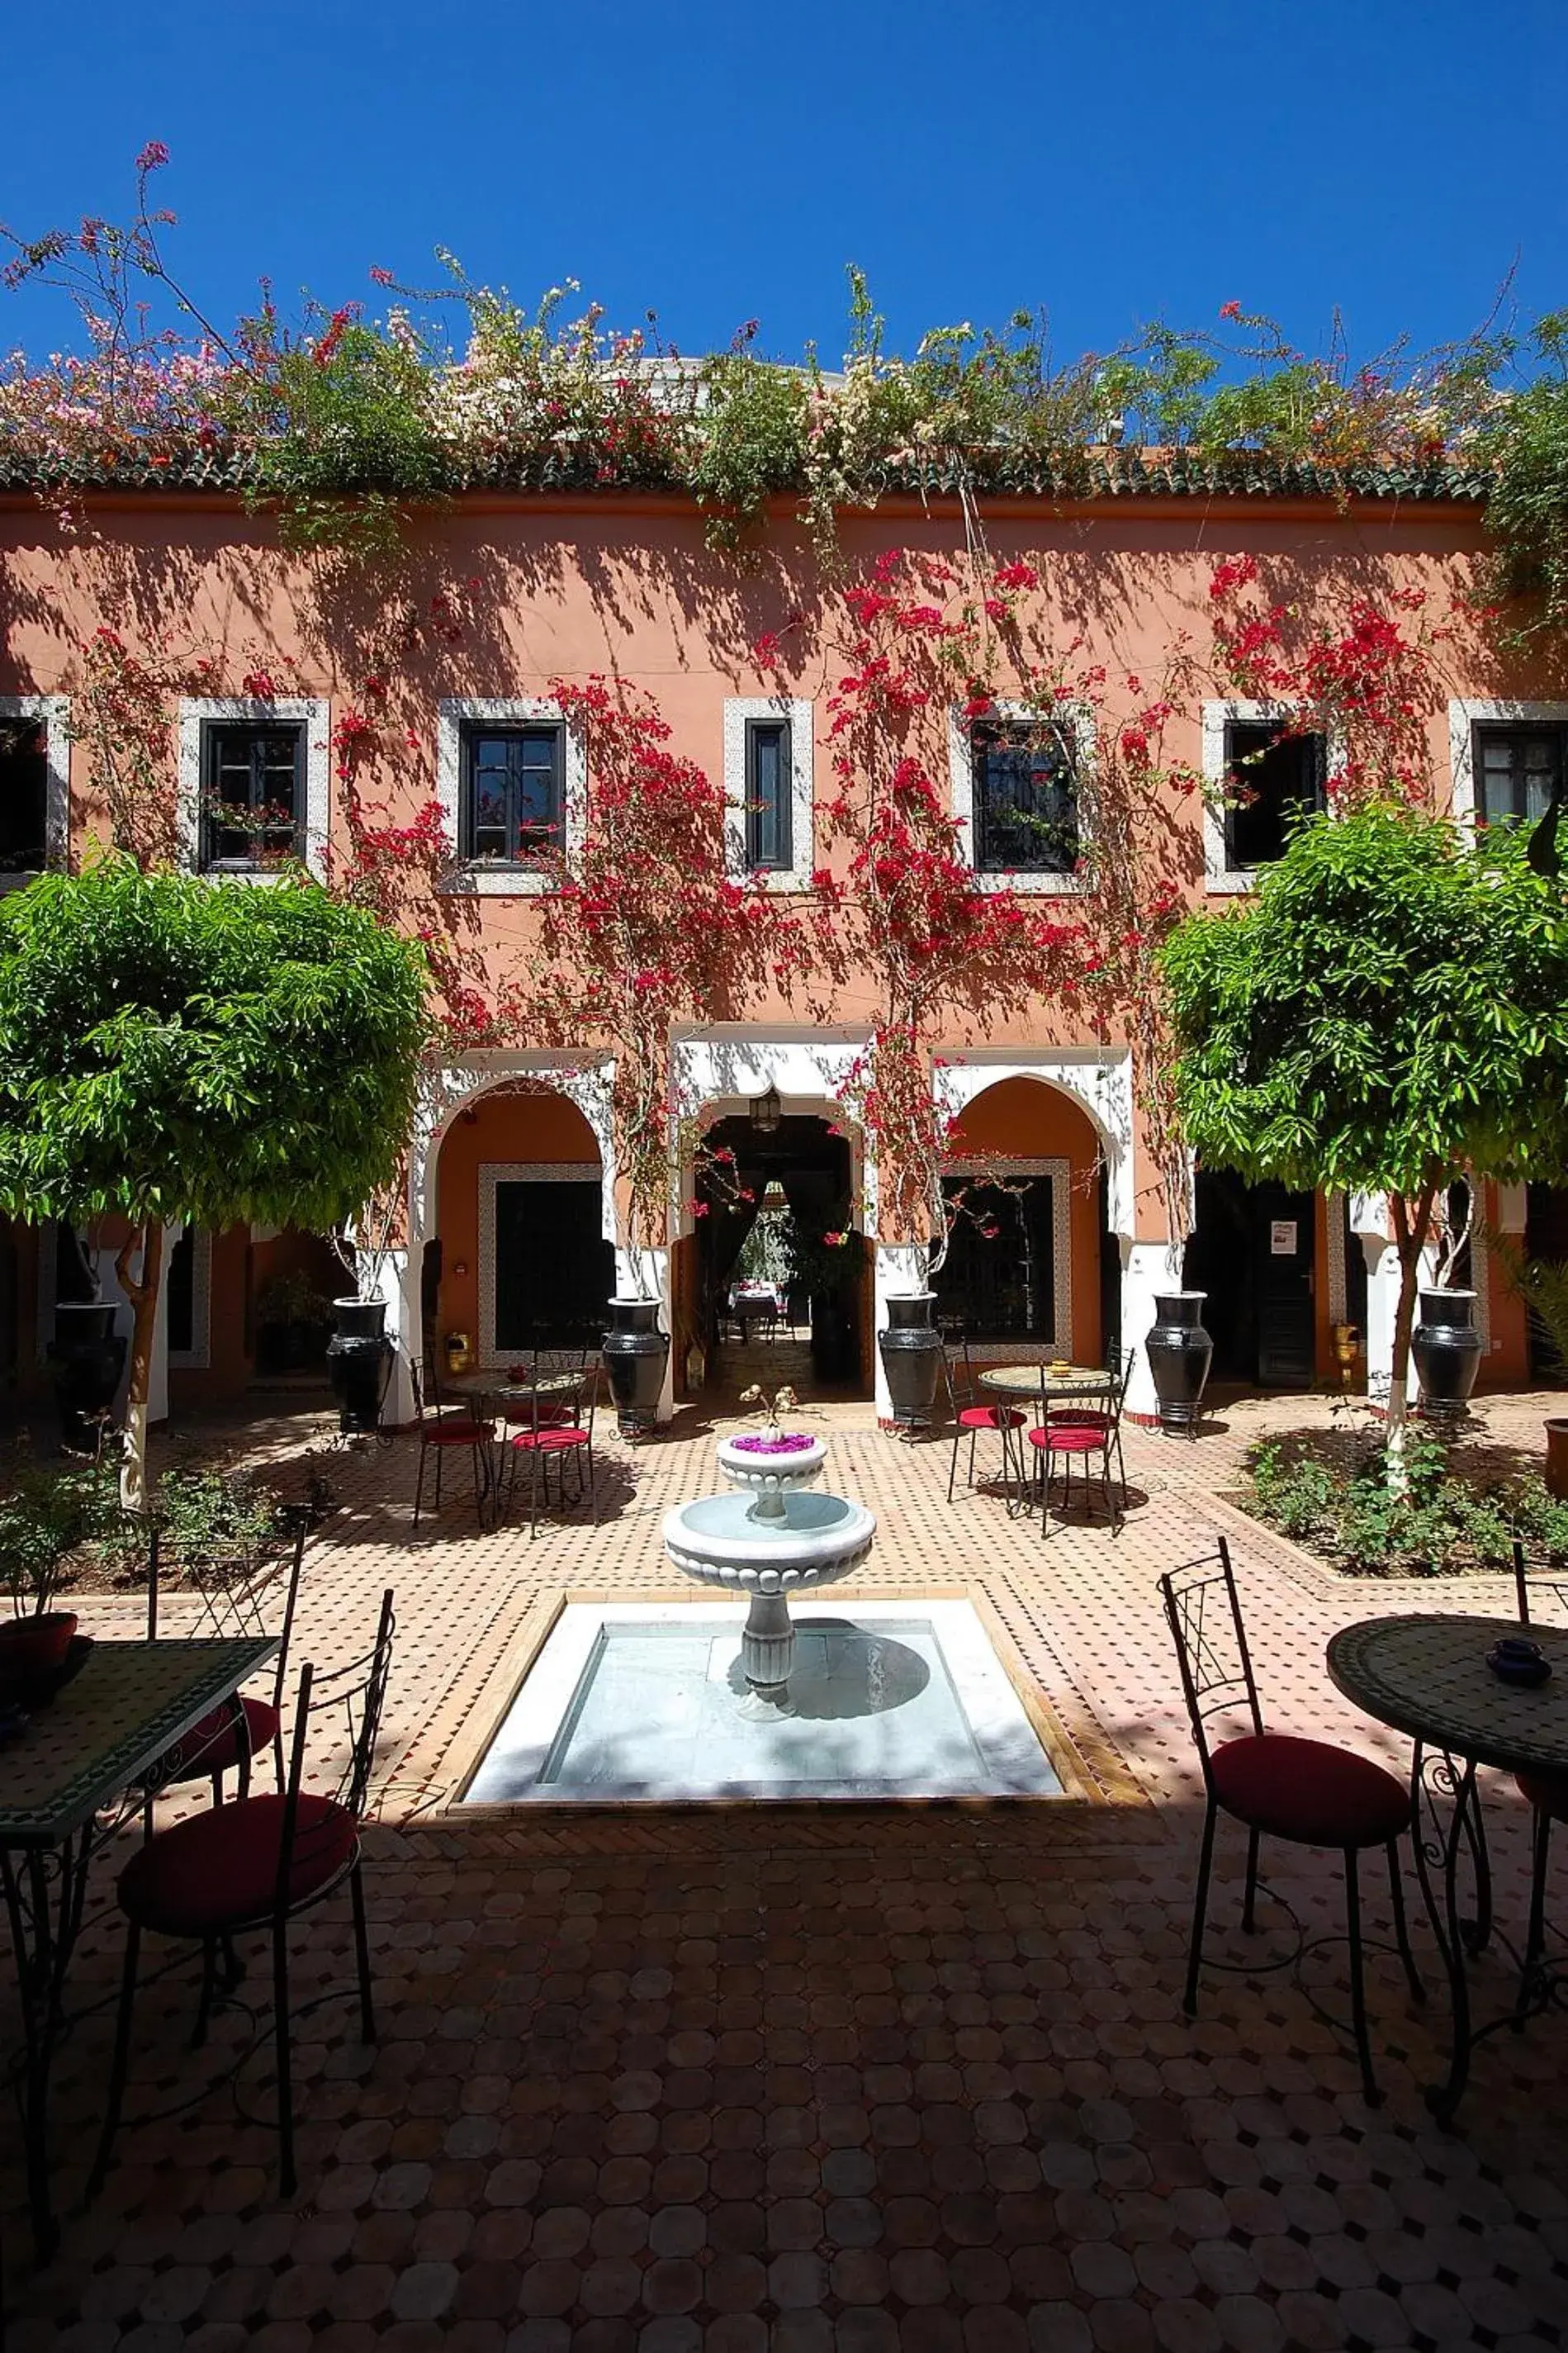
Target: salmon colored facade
625, 587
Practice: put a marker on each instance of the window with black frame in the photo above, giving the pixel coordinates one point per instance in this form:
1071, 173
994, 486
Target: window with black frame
1273, 781
770, 847
253, 793
1024, 796
1519, 771
513, 794
998, 1278
24, 796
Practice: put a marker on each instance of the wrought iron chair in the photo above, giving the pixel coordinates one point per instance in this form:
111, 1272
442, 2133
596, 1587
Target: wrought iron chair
1542, 1597
236, 1599
973, 1413
1309, 1792
256, 1864
440, 1429
545, 1438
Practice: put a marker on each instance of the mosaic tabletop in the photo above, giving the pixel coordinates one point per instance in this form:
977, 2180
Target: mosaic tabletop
1429, 1677
131, 1702
1046, 1381
502, 1384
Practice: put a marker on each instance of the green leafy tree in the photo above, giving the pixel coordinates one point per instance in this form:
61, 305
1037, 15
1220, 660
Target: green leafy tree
1388, 1015
174, 1050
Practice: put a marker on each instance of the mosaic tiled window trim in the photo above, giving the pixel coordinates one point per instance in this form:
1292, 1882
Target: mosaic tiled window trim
513, 1172
1059, 1171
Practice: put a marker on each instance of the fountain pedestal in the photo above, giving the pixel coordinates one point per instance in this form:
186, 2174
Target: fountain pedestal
779, 1540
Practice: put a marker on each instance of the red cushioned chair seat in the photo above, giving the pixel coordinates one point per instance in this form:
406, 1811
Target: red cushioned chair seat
548, 1441
220, 1870
1547, 1792
989, 1417
1067, 1438
455, 1433
212, 1746
1309, 1791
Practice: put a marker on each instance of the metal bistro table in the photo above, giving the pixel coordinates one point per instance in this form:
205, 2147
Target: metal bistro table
117, 1726
1047, 1383
498, 1389
1428, 1676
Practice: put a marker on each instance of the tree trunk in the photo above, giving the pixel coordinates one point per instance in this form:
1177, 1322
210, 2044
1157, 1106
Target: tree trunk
143, 1293
1410, 1232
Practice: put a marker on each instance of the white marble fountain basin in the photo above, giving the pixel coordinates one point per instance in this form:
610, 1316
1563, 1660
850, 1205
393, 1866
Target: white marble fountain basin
722, 1540
771, 1474
768, 1541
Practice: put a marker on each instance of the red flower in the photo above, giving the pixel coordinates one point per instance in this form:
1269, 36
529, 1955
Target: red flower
1230, 310
153, 156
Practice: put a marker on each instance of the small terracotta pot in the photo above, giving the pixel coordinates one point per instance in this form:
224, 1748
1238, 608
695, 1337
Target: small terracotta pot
1557, 1459
30, 1647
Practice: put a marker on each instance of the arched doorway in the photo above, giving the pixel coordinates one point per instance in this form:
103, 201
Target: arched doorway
518, 1258
1029, 1263
767, 1201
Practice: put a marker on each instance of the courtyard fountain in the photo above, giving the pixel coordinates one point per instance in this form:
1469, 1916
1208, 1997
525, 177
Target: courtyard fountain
769, 1539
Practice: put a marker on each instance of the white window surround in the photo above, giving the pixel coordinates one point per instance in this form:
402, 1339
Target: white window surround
1004, 1170
1217, 718
197, 1357
477, 879
54, 710
1463, 716
739, 709
513, 1172
315, 712
1077, 722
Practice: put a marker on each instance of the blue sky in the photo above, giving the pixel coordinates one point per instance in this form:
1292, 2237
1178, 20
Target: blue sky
720, 162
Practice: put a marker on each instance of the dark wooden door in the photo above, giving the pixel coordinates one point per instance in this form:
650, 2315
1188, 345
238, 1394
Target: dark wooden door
554, 1270
1283, 1244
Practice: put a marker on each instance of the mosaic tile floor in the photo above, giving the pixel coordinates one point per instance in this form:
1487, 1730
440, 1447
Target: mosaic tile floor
816, 2078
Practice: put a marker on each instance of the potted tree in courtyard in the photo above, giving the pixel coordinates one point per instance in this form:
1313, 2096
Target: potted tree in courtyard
1388, 1016
173, 1049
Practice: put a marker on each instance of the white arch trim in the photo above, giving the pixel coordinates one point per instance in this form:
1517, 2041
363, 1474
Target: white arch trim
1100, 1083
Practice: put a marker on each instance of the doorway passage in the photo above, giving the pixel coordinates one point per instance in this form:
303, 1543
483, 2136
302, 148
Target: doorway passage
1253, 1253
780, 1293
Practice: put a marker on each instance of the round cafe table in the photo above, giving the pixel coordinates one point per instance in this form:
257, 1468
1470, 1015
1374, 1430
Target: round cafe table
1050, 1383
1428, 1676
1045, 1385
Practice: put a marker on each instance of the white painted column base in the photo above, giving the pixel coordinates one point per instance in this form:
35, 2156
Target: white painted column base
112, 1294
400, 1289
1381, 1307
897, 1271
644, 1274
1146, 1270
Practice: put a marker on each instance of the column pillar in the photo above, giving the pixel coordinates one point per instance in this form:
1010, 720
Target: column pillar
113, 1295
898, 1271
401, 1290
644, 1274
1146, 1270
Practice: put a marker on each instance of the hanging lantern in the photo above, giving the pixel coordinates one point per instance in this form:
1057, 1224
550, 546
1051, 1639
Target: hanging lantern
767, 1112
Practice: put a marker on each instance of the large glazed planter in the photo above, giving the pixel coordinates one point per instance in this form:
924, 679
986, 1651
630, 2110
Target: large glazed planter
1446, 1347
358, 1363
1180, 1353
911, 1352
635, 1352
89, 1358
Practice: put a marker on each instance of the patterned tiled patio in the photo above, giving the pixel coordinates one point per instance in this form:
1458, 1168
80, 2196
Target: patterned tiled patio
727, 2079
